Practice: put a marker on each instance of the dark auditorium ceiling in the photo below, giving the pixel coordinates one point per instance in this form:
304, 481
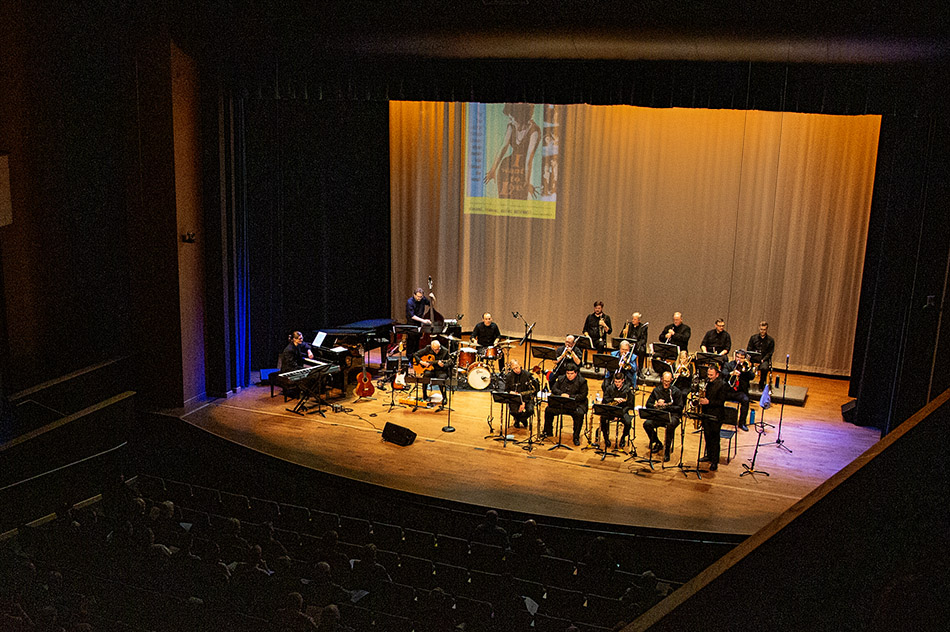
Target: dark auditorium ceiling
789, 30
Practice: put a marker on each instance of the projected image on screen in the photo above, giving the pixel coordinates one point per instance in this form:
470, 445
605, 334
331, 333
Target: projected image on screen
511, 160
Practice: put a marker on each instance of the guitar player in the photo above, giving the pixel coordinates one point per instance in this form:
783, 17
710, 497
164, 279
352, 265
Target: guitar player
432, 362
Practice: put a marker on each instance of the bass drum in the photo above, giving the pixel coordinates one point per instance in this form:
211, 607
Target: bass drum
479, 377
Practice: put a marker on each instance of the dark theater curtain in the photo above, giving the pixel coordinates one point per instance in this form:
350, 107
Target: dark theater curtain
317, 182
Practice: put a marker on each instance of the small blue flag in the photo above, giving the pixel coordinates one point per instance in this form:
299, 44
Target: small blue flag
766, 400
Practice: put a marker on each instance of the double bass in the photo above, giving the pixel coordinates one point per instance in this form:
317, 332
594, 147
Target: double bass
432, 314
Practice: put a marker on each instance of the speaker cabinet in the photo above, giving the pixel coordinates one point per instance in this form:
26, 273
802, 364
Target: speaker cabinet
398, 434
849, 411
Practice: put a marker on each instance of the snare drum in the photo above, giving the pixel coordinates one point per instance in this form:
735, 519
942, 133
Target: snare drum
479, 377
466, 357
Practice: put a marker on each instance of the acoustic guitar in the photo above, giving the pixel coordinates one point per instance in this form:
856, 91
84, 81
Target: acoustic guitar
364, 382
421, 368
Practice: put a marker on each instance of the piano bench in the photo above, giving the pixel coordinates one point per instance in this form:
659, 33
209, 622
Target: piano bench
265, 379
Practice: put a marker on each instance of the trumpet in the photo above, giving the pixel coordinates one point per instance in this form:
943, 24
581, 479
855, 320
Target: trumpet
603, 327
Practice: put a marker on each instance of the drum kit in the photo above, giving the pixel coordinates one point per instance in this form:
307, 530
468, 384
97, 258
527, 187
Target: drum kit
475, 363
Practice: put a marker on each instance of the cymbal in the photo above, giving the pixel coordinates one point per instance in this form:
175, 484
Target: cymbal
509, 342
451, 337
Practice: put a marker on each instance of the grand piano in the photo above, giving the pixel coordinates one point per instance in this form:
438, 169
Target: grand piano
345, 346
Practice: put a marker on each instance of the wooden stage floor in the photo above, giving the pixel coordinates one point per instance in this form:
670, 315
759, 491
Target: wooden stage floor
464, 466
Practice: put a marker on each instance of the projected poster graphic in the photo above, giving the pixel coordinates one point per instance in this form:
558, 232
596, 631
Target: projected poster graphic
511, 160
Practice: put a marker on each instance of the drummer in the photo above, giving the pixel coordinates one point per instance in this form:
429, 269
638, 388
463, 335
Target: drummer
484, 335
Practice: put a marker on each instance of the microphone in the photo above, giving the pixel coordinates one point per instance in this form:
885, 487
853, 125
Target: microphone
430, 279
514, 314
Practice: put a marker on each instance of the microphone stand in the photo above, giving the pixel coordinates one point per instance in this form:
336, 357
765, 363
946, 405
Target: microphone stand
779, 442
750, 469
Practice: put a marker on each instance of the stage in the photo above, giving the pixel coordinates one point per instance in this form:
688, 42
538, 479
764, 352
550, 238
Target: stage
465, 466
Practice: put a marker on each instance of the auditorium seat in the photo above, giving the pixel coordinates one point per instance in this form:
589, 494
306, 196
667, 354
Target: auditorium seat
562, 602
450, 578
557, 571
323, 521
451, 550
235, 506
387, 536
263, 511
474, 613
354, 530
418, 543
486, 557
415, 571
547, 623
294, 517
603, 611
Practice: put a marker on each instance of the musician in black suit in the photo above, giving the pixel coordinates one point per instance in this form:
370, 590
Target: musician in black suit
485, 334
714, 405
566, 353
665, 407
416, 314
521, 382
597, 326
676, 333
293, 354
437, 366
618, 393
763, 344
575, 387
740, 374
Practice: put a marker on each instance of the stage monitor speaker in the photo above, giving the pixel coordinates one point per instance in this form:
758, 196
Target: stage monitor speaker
849, 411
398, 434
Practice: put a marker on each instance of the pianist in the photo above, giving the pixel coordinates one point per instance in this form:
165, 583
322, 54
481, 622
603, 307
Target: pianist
293, 354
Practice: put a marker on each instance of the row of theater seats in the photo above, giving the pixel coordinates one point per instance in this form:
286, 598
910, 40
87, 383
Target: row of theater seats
485, 581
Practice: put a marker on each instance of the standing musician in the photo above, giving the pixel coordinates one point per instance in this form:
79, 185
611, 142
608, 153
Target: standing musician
521, 382
639, 333
677, 333
666, 404
618, 393
485, 333
713, 403
566, 353
293, 354
597, 326
717, 340
437, 366
575, 387
740, 374
763, 344
416, 308
628, 364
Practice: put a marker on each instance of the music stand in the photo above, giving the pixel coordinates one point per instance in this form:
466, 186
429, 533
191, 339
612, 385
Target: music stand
544, 354
615, 413
506, 399
584, 343
561, 405
661, 366
705, 359
702, 417
665, 351
416, 380
607, 362
632, 341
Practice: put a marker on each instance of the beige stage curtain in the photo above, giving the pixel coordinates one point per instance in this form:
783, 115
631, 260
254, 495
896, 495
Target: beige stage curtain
742, 215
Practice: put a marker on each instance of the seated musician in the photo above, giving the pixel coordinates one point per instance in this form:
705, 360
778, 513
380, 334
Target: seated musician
763, 344
713, 403
293, 354
717, 340
521, 382
597, 326
663, 410
740, 374
485, 333
566, 353
436, 362
628, 365
417, 312
618, 393
574, 386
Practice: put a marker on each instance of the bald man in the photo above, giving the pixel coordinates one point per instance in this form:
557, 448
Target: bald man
439, 363
520, 381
